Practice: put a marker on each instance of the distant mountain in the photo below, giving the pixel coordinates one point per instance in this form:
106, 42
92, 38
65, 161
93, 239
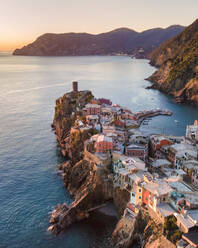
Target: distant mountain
119, 41
177, 60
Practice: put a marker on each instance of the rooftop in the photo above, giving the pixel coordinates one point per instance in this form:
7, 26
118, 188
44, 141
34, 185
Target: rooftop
137, 177
104, 138
135, 146
193, 215
191, 198
180, 187
191, 236
158, 187
184, 220
89, 105
123, 172
160, 162
165, 209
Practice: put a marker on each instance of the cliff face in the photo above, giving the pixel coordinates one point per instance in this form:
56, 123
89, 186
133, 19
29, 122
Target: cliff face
121, 40
67, 109
90, 185
177, 60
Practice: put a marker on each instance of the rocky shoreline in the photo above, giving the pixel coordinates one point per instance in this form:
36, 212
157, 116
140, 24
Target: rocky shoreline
91, 184
176, 63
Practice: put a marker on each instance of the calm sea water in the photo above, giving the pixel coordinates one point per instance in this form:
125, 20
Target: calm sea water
29, 154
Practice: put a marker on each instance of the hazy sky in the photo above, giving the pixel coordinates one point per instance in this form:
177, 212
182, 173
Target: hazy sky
22, 21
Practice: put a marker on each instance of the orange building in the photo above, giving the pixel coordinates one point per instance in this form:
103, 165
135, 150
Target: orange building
157, 142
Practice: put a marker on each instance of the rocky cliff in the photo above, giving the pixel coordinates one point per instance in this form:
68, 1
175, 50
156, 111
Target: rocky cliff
177, 60
90, 185
122, 40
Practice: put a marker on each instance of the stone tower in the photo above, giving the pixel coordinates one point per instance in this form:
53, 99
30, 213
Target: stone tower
75, 86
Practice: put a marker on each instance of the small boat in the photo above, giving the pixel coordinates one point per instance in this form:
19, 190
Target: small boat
176, 121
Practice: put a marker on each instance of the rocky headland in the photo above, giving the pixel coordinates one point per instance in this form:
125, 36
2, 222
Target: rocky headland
177, 63
90, 185
89, 178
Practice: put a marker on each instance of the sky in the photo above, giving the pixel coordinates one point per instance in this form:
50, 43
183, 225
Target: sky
22, 21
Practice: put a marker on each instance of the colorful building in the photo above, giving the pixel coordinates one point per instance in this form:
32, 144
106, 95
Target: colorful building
192, 131
155, 192
103, 144
157, 142
93, 109
137, 150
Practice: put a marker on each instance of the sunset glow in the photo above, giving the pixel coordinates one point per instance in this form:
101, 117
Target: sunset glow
22, 21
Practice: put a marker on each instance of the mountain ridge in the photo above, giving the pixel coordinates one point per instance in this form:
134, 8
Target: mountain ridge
119, 41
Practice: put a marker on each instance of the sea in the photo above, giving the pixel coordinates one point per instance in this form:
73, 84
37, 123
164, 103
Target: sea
29, 153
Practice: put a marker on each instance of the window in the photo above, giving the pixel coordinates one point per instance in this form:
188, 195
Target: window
140, 197
140, 190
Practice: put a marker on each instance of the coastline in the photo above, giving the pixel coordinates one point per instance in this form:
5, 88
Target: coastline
91, 185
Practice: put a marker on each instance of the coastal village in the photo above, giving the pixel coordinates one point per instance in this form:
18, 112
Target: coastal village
160, 172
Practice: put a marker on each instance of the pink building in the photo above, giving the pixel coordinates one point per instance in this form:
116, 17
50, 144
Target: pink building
103, 144
136, 150
93, 109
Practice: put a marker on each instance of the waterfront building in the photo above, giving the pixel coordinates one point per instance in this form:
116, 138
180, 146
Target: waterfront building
192, 131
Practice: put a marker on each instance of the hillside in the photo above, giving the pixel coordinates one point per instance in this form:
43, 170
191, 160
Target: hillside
177, 60
119, 41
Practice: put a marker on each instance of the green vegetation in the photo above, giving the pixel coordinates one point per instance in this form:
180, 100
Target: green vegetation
183, 64
89, 98
181, 53
76, 138
171, 230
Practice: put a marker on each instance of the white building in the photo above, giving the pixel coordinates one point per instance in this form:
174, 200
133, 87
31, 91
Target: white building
192, 131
